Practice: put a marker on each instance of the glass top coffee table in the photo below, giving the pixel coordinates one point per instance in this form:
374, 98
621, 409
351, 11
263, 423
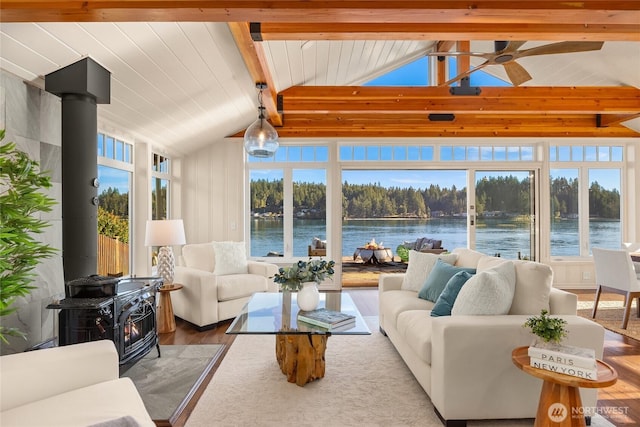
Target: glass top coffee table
300, 347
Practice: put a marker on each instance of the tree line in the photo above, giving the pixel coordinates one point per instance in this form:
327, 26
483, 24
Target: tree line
113, 214
603, 203
507, 195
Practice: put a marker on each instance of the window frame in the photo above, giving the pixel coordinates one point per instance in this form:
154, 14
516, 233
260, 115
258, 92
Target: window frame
584, 165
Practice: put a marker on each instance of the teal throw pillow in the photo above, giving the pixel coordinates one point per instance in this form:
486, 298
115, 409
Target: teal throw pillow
438, 278
445, 301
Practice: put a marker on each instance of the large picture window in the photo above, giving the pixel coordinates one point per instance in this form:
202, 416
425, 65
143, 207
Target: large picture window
486, 197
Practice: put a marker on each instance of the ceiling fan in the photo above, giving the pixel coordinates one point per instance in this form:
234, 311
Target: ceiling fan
507, 52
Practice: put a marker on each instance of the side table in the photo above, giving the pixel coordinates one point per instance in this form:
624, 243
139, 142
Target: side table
166, 319
561, 393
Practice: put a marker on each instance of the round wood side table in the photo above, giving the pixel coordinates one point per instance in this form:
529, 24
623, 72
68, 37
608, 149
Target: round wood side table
166, 319
560, 393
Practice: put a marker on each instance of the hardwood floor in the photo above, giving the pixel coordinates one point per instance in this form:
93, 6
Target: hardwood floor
620, 403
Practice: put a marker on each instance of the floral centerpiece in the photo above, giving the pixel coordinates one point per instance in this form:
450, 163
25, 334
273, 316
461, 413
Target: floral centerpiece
292, 278
373, 245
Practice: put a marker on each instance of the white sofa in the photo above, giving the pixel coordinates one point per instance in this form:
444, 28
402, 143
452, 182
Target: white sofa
463, 362
74, 385
218, 280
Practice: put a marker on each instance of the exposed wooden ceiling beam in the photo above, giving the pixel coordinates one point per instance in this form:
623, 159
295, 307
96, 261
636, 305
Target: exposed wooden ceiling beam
448, 31
606, 120
256, 62
492, 100
468, 125
584, 12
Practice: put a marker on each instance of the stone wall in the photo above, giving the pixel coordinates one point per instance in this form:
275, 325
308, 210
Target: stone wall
32, 119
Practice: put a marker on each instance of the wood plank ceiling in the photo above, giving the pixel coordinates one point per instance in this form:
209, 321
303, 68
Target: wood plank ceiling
357, 111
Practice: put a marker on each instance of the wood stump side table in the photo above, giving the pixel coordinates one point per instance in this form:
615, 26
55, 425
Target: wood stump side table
166, 319
560, 393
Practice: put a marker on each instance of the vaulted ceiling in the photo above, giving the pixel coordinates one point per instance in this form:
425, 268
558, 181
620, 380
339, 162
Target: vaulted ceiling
183, 73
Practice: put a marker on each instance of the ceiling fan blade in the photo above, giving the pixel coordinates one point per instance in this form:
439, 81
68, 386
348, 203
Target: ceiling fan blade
479, 54
516, 72
465, 74
513, 46
561, 47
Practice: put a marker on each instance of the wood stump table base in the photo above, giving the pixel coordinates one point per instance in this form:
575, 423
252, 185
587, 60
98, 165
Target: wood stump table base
301, 357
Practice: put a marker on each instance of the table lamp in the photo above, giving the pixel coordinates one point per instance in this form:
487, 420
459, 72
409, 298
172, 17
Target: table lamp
165, 233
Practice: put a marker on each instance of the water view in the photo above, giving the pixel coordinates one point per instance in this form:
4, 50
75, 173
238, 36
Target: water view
494, 236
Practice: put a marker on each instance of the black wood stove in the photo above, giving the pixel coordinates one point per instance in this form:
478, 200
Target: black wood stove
121, 310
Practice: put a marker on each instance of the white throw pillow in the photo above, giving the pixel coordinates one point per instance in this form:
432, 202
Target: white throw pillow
489, 292
420, 265
231, 258
200, 256
533, 284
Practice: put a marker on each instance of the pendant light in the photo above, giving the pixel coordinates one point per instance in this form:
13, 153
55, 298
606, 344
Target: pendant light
260, 138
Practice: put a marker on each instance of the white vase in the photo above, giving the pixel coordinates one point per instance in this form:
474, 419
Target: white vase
308, 297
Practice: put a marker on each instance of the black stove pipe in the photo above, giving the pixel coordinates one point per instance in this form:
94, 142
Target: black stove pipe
81, 86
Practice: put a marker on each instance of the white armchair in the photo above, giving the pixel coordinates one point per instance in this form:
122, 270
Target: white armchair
73, 386
615, 273
217, 281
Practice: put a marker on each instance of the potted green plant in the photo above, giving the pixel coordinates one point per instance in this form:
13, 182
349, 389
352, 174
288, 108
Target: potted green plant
22, 200
303, 277
292, 278
550, 330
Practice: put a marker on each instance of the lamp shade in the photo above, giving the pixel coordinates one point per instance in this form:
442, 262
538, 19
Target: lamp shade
261, 139
165, 233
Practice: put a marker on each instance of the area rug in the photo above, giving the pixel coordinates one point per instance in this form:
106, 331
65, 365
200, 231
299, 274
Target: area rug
610, 314
366, 383
167, 383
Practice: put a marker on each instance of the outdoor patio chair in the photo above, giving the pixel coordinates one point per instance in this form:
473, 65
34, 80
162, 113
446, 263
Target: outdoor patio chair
615, 273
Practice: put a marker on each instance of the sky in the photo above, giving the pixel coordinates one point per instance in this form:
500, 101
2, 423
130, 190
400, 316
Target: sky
113, 178
416, 74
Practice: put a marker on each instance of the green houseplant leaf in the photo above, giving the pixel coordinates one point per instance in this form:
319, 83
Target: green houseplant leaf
548, 329
292, 278
21, 202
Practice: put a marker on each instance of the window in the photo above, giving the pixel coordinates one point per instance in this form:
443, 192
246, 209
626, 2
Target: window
386, 152
394, 206
523, 153
288, 201
585, 173
160, 179
267, 208
604, 209
565, 216
115, 171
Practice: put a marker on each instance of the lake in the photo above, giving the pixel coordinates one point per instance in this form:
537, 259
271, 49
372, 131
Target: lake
507, 237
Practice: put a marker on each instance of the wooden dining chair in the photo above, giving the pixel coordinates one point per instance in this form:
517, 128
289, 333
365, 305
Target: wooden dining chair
615, 273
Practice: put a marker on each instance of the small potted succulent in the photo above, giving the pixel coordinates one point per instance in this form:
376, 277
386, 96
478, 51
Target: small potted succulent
548, 330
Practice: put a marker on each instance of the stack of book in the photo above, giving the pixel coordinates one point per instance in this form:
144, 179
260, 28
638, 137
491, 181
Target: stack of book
328, 319
565, 359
